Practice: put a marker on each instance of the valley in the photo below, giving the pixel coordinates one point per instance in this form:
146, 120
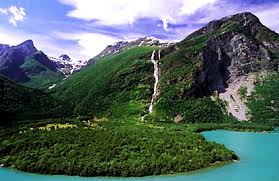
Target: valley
138, 108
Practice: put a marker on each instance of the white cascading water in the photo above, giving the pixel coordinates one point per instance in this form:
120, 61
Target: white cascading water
245, 19
156, 76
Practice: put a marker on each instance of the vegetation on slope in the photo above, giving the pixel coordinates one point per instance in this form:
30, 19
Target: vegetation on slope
264, 102
184, 78
19, 102
40, 76
111, 148
178, 96
117, 85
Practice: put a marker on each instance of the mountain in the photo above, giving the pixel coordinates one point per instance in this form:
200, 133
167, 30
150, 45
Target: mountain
126, 104
200, 78
12, 57
19, 102
123, 80
221, 58
66, 65
123, 45
26, 65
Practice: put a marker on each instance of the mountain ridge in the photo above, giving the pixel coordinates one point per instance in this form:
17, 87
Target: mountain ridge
123, 45
224, 51
223, 76
25, 64
203, 65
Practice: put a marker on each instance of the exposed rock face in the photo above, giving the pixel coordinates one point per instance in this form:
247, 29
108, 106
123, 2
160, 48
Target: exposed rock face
237, 46
3, 48
23, 62
12, 57
45, 61
65, 57
66, 65
233, 54
230, 56
235, 102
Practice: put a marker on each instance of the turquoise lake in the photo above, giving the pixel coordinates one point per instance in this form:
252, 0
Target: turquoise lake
258, 152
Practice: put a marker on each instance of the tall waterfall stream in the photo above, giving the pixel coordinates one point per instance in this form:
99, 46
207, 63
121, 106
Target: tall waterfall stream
156, 77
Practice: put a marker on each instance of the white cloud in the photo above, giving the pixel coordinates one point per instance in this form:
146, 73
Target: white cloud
41, 42
119, 12
3, 11
18, 14
190, 6
15, 14
89, 44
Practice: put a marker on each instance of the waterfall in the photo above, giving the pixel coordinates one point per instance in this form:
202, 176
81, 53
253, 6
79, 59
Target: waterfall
245, 19
156, 77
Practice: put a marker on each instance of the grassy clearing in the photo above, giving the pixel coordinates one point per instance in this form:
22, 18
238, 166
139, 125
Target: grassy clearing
49, 127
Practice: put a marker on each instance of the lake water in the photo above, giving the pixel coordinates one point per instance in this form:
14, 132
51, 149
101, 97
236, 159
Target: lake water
259, 161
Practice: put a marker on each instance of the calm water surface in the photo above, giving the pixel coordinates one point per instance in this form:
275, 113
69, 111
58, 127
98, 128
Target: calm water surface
258, 152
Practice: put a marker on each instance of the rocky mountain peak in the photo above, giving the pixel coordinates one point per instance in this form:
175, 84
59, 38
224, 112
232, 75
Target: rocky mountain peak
27, 47
28, 44
65, 57
240, 21
232, 50
245, 18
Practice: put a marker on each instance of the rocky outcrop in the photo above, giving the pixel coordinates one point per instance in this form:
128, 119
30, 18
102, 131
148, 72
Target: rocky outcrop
65, 57
44, 61
12, 57
230, 56
22, 62
66, 65
235, 48
233, 54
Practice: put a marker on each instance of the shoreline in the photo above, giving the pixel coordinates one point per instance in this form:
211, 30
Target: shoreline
217, 164
191, 172
195, 129
214, 172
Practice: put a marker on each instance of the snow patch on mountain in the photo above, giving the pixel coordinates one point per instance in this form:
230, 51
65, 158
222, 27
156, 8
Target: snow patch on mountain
122, 45
66, 65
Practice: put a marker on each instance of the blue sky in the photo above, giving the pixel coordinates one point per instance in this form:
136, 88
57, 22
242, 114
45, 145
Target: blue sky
82, 28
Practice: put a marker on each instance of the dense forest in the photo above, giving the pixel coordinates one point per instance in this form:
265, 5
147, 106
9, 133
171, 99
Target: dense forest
18, 103
116, 85
264, 102
132, 148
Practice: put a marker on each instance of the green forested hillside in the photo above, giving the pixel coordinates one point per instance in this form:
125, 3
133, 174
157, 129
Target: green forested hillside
177, 96
121, 85
19, 102
264, 102
40, 76
118, 85
114, 148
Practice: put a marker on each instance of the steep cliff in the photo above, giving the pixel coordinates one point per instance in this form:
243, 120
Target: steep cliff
215, 59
